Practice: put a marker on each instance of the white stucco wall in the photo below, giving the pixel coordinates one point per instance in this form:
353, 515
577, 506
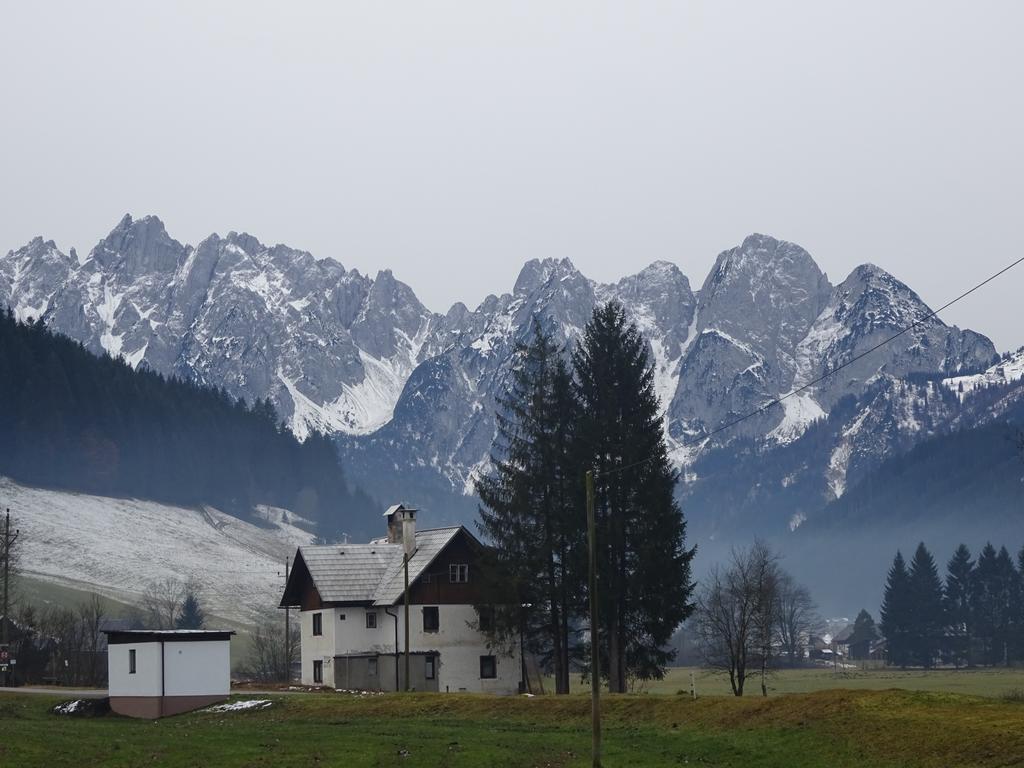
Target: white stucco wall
198, 668
352, 635
145, 681
459, 646
318, 647
193, 668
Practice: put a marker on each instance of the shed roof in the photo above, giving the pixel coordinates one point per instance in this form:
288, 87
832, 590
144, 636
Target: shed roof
120, 636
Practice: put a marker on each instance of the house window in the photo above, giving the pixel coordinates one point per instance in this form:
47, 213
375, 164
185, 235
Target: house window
371, 619
131, 661
458, 573
318, 624
431, 619
318, 671
371, 667
429, 671
486, 616
488, 668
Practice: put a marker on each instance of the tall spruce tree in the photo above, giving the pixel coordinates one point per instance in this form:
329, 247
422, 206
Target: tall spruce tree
985, 599
1007, 602
927, 614
644, 585
957, 599
895, 613
75, 421
533, 510
864, 634
1019, 610
191, 615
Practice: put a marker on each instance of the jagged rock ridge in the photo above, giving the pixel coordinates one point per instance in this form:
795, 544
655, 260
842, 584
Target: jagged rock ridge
411, 394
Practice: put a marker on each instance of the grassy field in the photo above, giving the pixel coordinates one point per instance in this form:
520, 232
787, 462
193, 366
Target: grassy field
975, 682
830, 728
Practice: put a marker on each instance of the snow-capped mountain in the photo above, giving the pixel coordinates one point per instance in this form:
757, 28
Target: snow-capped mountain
411, 394
331, 348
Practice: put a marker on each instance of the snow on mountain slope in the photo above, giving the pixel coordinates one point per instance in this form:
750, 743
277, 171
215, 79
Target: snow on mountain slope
116, 547
331, 348
411, 395
1003, 372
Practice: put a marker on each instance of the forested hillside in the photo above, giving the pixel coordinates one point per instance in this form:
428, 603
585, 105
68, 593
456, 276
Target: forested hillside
75, 421
973, 474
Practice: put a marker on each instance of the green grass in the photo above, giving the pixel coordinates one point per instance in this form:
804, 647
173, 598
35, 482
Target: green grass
832, 728
994, 682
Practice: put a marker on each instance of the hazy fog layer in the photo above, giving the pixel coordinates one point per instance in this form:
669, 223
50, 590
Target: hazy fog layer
452, 141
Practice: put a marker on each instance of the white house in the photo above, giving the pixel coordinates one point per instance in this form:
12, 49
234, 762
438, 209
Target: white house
153, 673
353, 613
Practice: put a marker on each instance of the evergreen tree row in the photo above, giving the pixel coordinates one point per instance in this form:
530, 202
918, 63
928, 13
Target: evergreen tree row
975, 617
72, 420
557, 421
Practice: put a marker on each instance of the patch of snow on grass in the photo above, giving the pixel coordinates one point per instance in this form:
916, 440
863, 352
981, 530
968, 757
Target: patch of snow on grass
247, 705
69, 707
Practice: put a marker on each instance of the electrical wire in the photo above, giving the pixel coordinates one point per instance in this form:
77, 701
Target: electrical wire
777, 401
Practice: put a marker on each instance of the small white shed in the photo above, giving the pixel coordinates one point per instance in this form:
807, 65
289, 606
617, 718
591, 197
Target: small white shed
154, 673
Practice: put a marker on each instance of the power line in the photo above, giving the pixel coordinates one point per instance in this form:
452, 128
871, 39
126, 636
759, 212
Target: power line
777, 401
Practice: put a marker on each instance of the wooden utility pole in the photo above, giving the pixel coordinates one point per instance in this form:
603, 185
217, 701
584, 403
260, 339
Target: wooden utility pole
405, 563
287, 630
9, 540
595, 656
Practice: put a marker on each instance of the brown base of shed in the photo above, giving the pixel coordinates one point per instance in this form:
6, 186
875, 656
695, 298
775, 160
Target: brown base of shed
152, 707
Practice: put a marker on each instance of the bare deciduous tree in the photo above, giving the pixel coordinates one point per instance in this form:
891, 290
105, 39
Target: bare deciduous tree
90, 619
798, 618
268, 660
738, 613
161, 603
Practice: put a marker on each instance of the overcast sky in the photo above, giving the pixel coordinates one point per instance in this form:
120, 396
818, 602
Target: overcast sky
453, 141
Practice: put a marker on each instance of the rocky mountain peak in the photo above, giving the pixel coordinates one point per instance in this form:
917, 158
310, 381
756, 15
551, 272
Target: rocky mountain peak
879, 300
539, 272
766, 293
140, 246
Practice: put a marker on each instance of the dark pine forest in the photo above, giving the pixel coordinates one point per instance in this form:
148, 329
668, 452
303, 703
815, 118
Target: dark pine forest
74, 421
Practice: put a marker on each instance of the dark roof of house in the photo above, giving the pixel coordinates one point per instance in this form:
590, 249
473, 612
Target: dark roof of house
368, 573
843, 635
121, 636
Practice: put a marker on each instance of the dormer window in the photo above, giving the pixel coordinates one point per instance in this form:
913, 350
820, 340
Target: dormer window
458, 573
